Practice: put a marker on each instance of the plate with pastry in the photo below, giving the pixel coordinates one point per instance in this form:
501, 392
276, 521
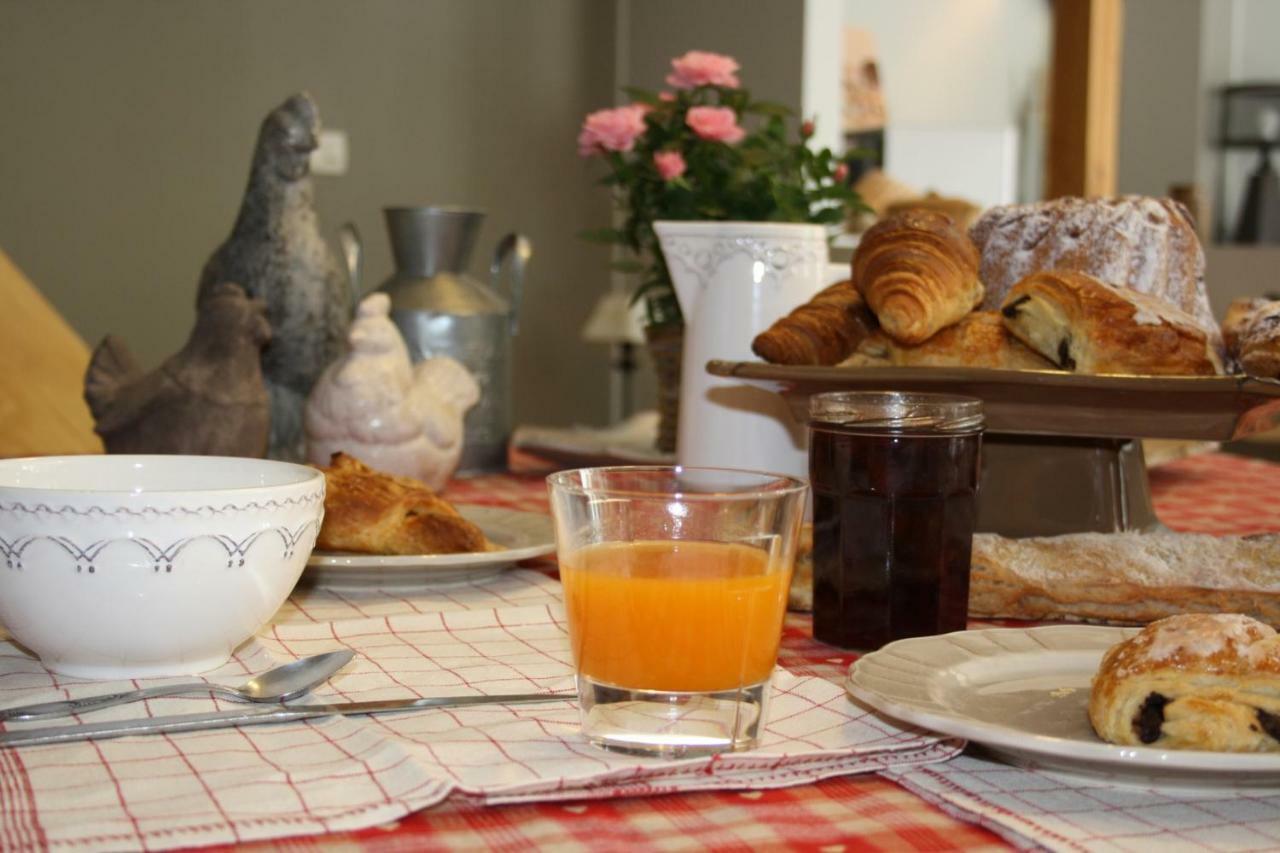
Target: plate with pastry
389, 532
1190, 701
1072, 317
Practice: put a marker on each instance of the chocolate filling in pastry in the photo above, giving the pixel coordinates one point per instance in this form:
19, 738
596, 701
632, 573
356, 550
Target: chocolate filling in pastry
1270, 723
1011, 310
1065, 361
1146, 725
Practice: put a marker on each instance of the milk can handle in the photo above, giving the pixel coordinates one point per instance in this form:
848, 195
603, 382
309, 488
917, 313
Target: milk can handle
518, 248
352, 259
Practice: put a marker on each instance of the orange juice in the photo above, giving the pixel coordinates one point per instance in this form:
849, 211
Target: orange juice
675, 615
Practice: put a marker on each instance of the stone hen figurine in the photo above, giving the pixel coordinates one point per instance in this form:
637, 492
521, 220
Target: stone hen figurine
396, 417
207, 398
277, 253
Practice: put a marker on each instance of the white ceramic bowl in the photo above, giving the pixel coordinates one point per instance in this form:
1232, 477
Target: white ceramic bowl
138, 566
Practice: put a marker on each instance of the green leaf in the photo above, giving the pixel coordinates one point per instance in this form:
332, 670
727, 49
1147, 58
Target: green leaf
769, 108
629, 267
644, 96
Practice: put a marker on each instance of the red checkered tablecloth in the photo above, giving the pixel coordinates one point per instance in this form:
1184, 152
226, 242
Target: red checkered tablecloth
1213, 493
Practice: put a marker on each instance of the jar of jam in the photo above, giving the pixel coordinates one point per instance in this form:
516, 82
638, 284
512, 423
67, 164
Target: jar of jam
895, 484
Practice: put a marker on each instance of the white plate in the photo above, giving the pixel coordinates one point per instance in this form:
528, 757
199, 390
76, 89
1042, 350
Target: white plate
1023, 693
523, 535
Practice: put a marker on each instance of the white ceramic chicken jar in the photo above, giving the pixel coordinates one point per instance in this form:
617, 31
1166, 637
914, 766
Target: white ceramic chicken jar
373, 404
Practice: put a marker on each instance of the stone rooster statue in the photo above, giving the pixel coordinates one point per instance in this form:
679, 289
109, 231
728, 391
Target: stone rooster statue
207, 398
276, 251
373, 405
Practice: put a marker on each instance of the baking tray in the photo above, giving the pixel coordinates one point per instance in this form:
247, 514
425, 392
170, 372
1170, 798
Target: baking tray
1054, 403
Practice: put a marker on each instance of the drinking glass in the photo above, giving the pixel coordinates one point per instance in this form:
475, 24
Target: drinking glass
895, 484
675, 585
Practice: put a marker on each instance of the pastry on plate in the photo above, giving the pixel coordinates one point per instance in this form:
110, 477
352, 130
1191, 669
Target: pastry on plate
1194, 681
1258, 349
980, 339
918, 272
824, 330
1147, 244
1124, 578
1088, 326
369, 512
1237, 318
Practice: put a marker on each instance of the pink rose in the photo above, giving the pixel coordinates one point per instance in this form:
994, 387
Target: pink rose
699, 68
806, 130
670, 164
611, 130
841, 173
719, 124
666, 97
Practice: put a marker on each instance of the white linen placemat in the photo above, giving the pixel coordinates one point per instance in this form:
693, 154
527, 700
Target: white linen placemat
347, 773
1040, 809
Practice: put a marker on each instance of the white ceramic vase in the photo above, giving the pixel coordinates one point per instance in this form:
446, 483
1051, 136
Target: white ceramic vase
733, 279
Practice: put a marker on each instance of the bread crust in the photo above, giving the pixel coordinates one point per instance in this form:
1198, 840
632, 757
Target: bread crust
1259, 342
1089, 326
1236, 320
1193, 681
370, 512
823, 331
980, 339
1147, 244
918, 272
1124, 578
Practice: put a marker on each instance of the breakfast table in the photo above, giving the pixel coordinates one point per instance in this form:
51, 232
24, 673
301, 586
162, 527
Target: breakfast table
1210, 492
941, 800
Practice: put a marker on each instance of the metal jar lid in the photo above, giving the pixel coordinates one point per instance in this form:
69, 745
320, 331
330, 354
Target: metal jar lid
897, 410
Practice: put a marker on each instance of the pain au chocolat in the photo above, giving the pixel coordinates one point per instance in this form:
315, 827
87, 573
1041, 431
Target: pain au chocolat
370, 512
918, 272
1088, 326
1193, 681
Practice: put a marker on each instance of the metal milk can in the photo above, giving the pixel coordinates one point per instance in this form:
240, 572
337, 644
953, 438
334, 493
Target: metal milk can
442, 310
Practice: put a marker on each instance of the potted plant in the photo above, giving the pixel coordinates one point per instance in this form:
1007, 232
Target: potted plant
703, 151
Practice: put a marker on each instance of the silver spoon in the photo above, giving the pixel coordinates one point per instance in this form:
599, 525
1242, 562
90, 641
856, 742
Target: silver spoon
275, 685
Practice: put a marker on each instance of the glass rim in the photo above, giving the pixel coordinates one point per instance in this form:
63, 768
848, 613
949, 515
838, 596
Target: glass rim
927, 411
564, 481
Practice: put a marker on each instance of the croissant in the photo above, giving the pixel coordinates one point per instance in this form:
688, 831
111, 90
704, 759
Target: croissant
1090, 327
824, 330
918, 272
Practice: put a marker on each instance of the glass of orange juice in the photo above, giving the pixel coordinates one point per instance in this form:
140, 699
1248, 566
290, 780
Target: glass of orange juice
675, 587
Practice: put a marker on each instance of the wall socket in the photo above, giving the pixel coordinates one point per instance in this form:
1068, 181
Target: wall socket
331, 155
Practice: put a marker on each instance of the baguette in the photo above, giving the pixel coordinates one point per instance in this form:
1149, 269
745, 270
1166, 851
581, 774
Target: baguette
1124, 578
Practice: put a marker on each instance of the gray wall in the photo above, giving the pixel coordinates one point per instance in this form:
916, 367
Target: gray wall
767, 39
1162, 108
128, 128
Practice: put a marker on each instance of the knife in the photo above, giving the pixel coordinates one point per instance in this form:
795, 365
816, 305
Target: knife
255, 717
